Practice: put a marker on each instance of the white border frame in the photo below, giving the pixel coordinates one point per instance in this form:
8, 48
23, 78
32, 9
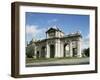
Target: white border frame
53, 69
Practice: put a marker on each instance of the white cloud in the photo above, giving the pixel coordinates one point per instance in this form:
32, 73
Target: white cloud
35, 32
31, 29
52, 21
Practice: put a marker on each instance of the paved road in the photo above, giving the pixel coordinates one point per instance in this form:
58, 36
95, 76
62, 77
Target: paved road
60, 62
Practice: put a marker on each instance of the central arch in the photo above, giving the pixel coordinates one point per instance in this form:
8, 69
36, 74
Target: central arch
43, 52
52, 51
66, 50
74, 52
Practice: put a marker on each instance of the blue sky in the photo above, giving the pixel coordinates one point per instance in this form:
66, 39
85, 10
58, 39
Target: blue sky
38, 23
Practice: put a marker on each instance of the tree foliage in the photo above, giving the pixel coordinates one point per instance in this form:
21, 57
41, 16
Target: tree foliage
86, 52
30, 51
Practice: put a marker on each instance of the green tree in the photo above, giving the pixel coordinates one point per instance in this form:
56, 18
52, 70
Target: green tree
86, 52
30, 50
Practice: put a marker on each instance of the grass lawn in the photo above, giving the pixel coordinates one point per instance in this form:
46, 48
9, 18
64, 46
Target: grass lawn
32, 60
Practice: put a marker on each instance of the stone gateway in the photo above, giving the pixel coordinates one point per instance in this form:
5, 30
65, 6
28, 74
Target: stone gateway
58, 45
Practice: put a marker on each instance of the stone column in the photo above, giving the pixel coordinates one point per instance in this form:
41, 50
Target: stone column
56, 49
35, 51
47, 51
70, 49
59, 54
61, 49
79, 54
40, 51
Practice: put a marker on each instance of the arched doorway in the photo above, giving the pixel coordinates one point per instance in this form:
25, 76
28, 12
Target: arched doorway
43, 52
66, 50
37, 55
52, 51
74, 52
